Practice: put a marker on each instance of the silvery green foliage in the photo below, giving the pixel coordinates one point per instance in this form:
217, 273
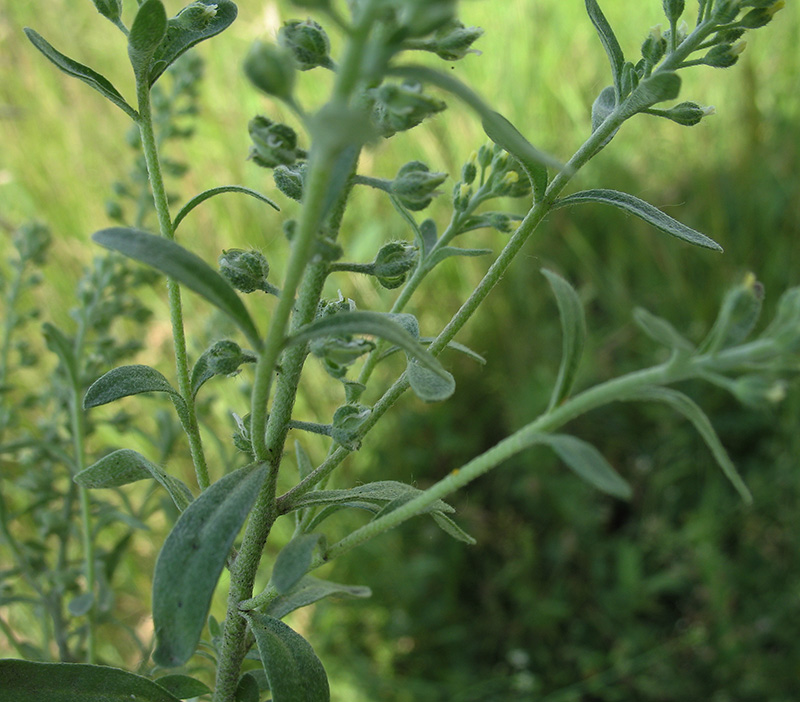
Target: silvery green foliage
377, 93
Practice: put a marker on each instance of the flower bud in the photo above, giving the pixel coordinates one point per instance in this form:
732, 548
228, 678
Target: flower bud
404, 106
337, 353
347, 421
687, 113
289, 180
421, 17
308, 43
454, 41
724, 55
758, 391
246, 271
726, 10
760, 16
785, 326
739, 313
415, 185
225, 357
273, 144
501, 222
110, 9
393, 263
470, 170
485, 155
462, 194
271, 69
654, 47
114, 210
673, 9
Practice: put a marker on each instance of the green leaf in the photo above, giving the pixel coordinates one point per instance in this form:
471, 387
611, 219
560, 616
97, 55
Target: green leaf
195, 23
643, 210
427, 385
602, 107
77, 70
185, 267
448, 526
147, 31
692, 411
80, 605
657, 88
182, 686
60, 345
661, 331
247, 690
26, 681
309, 590
497, 127
587, 463
374, 323
294, 672
380, 491
126, 381
192, 559
211, 192
293, 561
304, 465
609, 40
573, 328
127, 466
447, 251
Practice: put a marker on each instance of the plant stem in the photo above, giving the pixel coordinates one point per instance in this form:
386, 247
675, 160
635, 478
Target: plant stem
155, 174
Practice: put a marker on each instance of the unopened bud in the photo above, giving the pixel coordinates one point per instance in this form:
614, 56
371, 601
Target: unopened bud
501, 222
761, 16
415, 185
225, 357
673, 9
271, 69
726, 10
654, 47
470, 169
421, 17
759, 391
308, 43
404, 106
724, 55
347, 421
114, 210
394, 262
273, 144
687, 113
246, 271
462, 194
110, 9
739, 313
454, 41
337, 353
289, 180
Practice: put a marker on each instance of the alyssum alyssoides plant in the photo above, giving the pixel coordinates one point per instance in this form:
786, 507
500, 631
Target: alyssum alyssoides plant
377, 91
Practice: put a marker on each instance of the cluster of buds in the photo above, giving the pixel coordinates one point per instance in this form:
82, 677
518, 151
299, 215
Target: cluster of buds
399, 107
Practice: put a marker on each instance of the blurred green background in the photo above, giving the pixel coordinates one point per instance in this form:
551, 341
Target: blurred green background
569, 596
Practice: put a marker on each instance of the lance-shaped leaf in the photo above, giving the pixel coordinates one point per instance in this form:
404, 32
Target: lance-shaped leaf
293, 561
147, 32
609, 41
125, 381
374, 323
448, 526
77, 70
661, 331
185, 267
294, 672
657, 88
192, 559
643, 210
211, 192
447, 251
497, 127
573, 329
59, 344
127, 466
308, 591
691, 410
588, 463
183, 686
27, 681
381, 491
199, 21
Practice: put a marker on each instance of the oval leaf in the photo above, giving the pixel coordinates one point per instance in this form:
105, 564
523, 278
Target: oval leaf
448, 526
185, 267
192, 559
573, 328
294, 672
124, 382
643, 210
588, 463
661, 331
127, 466
26, 681
77, 70
147, 32
447, 251
293, 561
182, 686
374, 323
427, 385
308, 591
196, 22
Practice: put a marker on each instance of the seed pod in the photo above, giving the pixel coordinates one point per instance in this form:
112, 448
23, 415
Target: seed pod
394, 262
415, 185
246, 271
289, 180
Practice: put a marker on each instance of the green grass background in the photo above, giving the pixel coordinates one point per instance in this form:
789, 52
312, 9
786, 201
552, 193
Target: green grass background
684, 593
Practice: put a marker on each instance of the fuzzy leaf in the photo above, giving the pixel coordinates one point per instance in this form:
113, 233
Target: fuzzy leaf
185, 267
59, 344
247, 690
661, 331
587, 463
657, 88
573, 328
293, 561
309, 590
182, 686
609, 41
447, 251
427, 385
304, 465
689, 409
448, 526
643, 210
77, 70
379, 491
192, 559
126, 381
374, 323
147, 31
294, 672
196, 22
202, 372
26, 681
211, 192
127, 466
602, 107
